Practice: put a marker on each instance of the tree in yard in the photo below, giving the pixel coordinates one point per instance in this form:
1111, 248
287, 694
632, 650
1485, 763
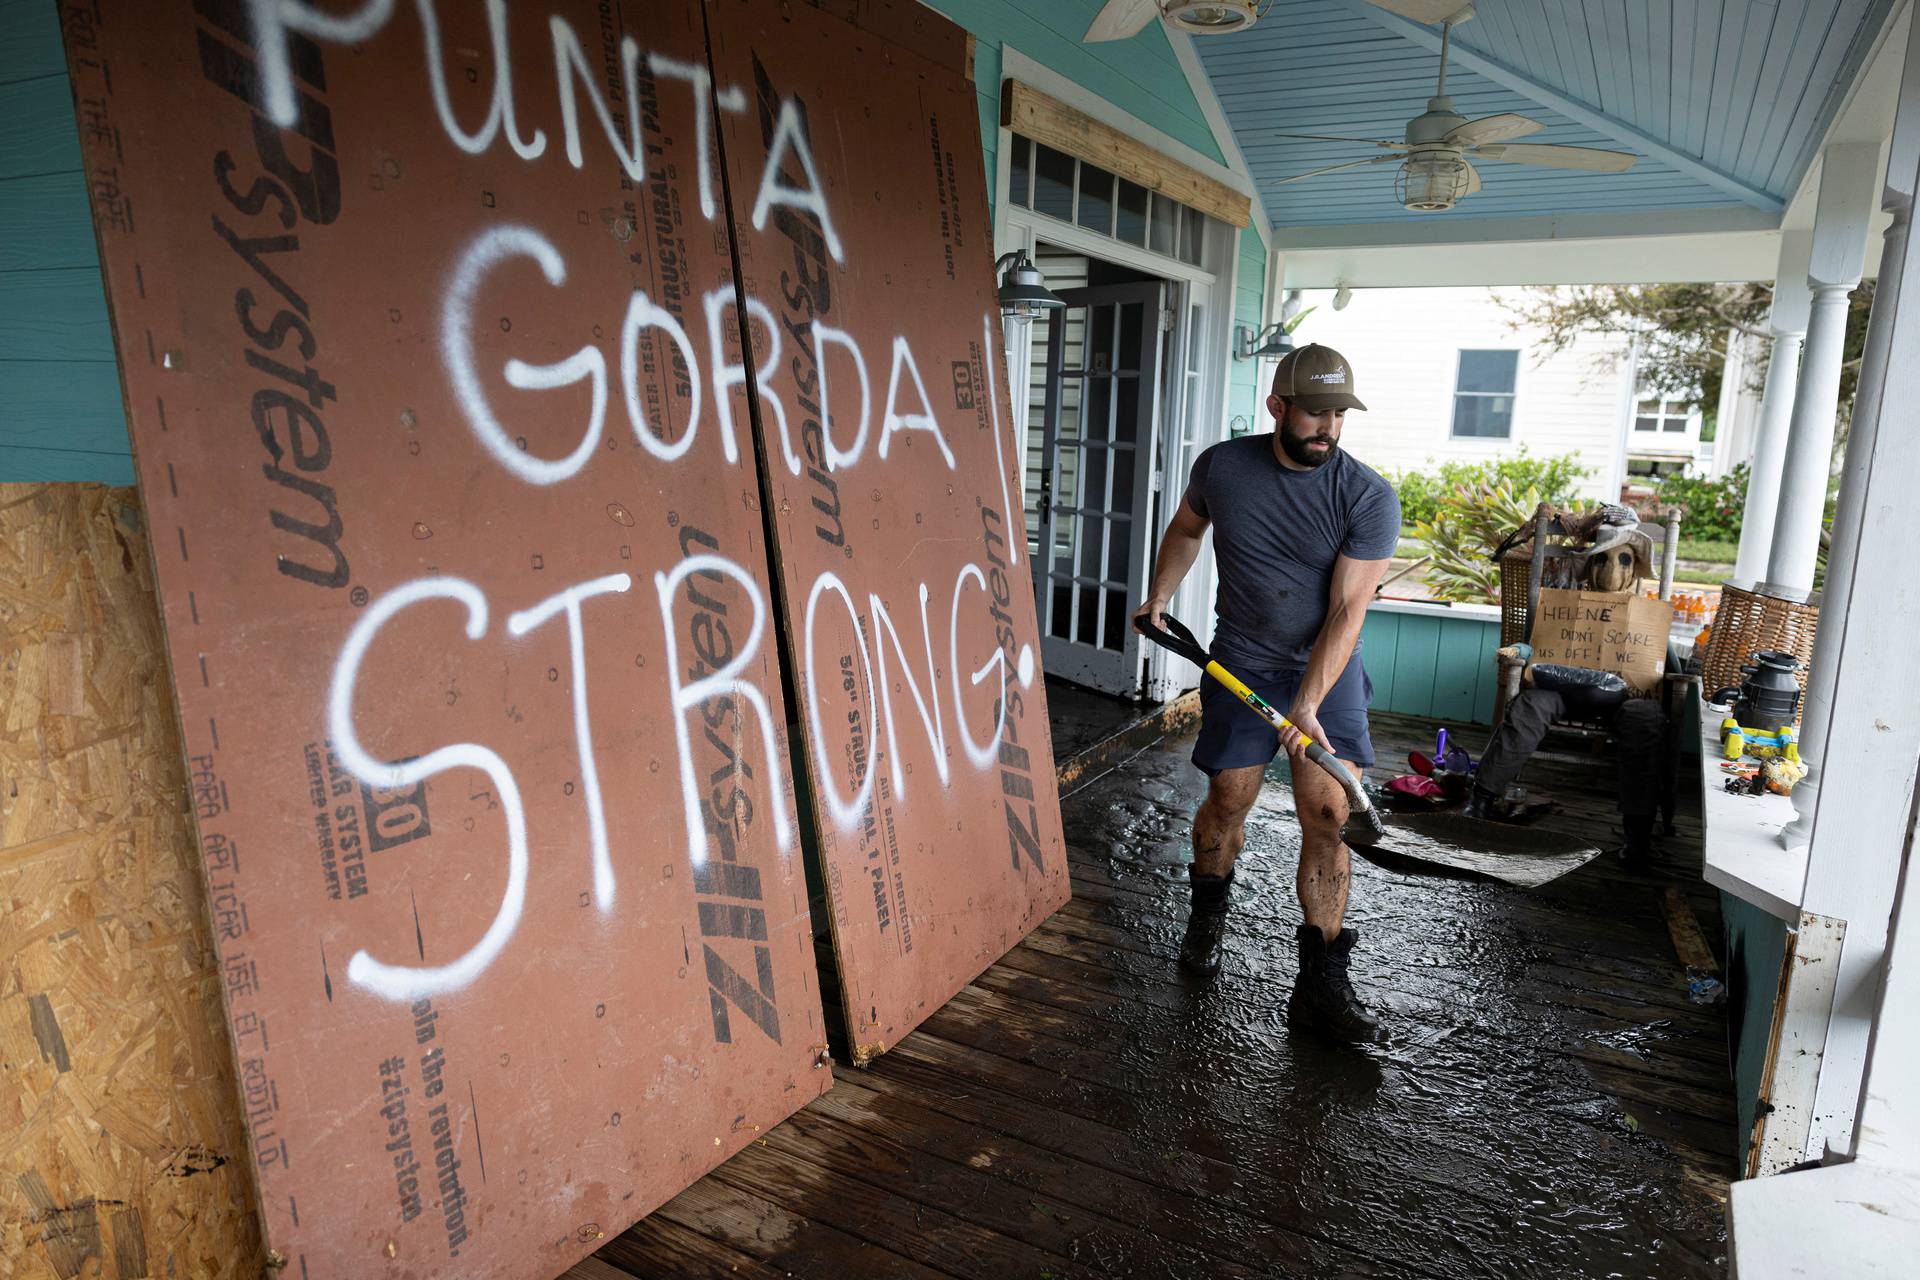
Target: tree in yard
1682, 331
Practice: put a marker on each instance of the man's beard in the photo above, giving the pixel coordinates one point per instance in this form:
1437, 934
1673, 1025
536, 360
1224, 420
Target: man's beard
1298, 448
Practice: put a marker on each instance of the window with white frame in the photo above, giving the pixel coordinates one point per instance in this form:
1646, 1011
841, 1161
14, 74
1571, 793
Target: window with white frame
1483, 389
1658, 415
1060, 186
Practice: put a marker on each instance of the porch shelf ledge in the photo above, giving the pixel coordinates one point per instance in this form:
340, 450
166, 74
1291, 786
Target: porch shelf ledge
1742, 836
1860, 1220
1438, 609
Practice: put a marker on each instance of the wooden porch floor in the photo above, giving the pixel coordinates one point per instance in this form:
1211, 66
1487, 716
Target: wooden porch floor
1551, 1102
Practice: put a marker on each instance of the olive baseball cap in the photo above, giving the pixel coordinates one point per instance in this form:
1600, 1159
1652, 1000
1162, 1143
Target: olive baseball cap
1316, 378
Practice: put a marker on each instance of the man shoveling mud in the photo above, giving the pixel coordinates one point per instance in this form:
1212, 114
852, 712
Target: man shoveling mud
1302, 534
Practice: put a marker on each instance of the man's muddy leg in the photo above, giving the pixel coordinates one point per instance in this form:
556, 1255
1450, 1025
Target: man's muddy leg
1219, 832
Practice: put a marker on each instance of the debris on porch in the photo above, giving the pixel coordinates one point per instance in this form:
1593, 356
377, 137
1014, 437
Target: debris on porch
1551, 1101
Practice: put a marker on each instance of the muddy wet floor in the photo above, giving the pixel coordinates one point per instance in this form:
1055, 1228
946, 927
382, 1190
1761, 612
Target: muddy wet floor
1550, 1104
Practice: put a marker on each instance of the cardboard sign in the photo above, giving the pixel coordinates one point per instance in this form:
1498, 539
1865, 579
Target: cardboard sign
892, 464
1620, 631
447, 460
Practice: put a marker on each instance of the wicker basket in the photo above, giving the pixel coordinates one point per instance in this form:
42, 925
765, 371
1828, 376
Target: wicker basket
1513, 595
1747, 622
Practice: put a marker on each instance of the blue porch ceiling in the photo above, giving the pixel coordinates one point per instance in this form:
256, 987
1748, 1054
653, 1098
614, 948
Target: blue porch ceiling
1746, 88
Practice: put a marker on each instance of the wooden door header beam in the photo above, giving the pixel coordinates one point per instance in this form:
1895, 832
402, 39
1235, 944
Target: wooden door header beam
1033, 114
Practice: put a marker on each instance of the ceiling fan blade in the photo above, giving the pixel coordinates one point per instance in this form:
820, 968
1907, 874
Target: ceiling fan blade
1493, 129
1590, 159
1358, 142
1335, 168
1428, 13
1121, 19
1473, 180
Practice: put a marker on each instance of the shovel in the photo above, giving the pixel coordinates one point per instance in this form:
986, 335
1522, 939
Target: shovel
1425, 841
1363, 828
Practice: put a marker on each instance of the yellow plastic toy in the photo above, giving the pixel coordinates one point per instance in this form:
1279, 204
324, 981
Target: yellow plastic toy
1736, 741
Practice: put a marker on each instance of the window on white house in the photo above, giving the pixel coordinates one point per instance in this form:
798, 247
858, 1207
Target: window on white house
1656, 415
1483, 394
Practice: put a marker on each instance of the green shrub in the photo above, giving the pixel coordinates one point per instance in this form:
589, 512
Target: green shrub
1469, 521
1710, 510
1422, 492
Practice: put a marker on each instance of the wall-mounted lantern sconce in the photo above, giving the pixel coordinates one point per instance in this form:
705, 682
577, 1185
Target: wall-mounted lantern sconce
1269, 343
1023, 290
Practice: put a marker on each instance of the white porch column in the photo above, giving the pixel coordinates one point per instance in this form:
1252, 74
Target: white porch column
1815, 719
1862, 721
1847, 174
1788, 323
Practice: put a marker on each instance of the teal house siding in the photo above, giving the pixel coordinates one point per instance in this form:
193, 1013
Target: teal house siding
1246, 398
60, 411
1141, 76
1431, 664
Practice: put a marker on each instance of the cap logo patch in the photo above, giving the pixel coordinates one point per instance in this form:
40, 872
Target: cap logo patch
1335, 376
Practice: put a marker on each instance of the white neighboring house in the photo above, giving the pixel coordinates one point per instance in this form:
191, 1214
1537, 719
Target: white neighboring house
1447, 377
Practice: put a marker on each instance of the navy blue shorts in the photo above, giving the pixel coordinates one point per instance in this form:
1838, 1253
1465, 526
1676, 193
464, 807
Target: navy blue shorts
1233, 735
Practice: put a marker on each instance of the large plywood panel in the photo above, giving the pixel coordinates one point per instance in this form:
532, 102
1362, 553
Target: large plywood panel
124, 1153
465, 595
851, 150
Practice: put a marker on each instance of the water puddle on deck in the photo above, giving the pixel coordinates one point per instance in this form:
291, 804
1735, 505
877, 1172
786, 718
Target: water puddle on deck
1475, 1143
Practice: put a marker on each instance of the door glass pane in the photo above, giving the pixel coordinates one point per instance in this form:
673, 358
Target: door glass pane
1060, 619
1086, 627
1096, 199
1122, 479
1069, 408
1020, 180
1052, 182
1093, 496
1101, 322
1120, 535
1127, 410
1099, 408
1132, 223
1091, 542
1132, 316
1160, 224
1113, 627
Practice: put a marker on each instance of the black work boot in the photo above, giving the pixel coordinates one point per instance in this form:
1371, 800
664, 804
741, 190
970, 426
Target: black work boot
1480, 805
1637, 852
1323, 1000
1205, 942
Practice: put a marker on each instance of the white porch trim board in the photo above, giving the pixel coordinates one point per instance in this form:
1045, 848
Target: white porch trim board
1872, 735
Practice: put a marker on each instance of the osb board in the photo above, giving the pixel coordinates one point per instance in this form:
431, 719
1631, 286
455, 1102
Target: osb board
504, 886
121, 1151
899, 535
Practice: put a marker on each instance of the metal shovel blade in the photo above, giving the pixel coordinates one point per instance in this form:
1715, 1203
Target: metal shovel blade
1499, 851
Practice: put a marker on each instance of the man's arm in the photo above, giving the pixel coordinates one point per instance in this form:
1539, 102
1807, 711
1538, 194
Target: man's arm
1179, 545
1347, 598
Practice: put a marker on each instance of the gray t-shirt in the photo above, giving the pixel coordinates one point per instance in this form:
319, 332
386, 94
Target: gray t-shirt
1276, 534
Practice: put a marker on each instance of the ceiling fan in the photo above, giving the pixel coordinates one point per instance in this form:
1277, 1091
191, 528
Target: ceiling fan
1123, 19
1434, 173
